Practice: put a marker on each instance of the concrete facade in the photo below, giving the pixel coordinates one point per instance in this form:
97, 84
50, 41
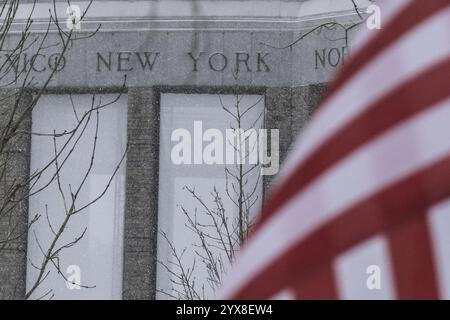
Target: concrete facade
186, 54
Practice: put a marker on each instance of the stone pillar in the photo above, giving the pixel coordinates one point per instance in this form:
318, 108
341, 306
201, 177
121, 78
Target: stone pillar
14, 172
141, 212
288, 110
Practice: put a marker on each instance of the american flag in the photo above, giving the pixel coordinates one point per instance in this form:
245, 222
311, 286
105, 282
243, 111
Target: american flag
369, 180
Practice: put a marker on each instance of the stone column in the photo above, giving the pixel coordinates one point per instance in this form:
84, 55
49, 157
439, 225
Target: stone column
14, 221
141, 212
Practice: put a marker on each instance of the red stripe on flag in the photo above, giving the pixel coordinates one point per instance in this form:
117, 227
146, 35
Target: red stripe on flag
412, 260
387, 208
415, 96
320, 285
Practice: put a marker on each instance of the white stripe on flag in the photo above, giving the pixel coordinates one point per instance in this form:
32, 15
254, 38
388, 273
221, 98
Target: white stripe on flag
439, 222
351, 269
285, 294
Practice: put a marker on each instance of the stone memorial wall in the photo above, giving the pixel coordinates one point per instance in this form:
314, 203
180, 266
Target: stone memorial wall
286, 51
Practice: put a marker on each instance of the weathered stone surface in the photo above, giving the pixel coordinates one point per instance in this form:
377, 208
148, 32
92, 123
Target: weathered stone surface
14, 158
275, 57
185, 56
288, 110
141, 211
